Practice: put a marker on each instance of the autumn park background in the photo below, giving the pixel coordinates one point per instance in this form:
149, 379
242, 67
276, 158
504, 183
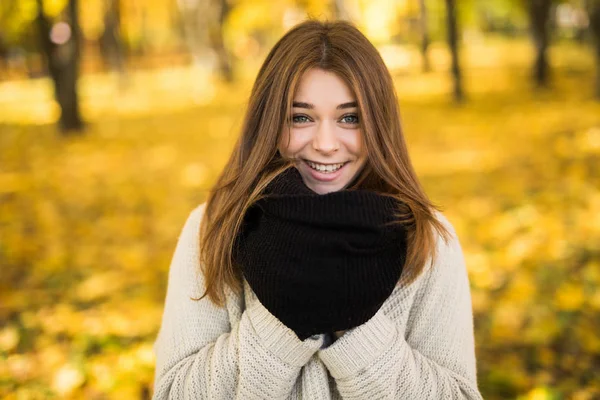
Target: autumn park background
117, 115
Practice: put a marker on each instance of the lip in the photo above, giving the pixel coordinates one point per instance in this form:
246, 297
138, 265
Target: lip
322, 177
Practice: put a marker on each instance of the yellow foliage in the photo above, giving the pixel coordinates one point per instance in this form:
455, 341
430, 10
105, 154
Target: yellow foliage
99, 285
194, 175
9, 338
88, 225
543, 327
539, 393
569, 297
507, 323
67, 379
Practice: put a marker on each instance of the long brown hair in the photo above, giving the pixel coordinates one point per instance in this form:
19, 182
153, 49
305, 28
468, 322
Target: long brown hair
338, 47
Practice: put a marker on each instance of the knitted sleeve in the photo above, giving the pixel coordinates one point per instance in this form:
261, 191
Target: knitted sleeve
432, 358
199, 355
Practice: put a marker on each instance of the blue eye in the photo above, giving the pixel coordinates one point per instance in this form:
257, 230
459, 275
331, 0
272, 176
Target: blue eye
300, 119
350, 119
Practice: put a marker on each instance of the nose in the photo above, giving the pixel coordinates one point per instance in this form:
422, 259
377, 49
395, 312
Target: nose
325, 140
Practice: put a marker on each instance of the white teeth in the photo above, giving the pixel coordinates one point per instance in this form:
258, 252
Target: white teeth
325, 168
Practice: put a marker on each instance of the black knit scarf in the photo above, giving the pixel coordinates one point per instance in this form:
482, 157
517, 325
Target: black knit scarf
320, 263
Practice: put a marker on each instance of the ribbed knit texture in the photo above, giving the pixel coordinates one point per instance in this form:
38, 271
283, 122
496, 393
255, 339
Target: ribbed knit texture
418, 346
321, 263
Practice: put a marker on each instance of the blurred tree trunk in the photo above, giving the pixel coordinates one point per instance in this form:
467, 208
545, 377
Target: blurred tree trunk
452, 26
111, 43
339, 9
195, 15
63, 66
424, 35
218, 42
539, 25
3, 57
204, 29
593, 10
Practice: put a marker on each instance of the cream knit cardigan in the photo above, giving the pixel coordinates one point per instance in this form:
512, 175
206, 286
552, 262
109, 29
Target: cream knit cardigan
418, 346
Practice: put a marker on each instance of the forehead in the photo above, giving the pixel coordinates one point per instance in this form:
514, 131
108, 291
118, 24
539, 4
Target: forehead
321, 87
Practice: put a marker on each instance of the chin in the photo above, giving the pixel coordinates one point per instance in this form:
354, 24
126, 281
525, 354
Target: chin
324, 189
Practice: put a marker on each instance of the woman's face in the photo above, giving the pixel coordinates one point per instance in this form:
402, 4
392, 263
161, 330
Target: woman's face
324, 136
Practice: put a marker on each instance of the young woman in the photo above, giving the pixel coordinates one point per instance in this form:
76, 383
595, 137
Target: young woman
318, 268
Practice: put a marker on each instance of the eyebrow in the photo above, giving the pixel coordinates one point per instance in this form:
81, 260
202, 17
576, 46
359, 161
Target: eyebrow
299, 104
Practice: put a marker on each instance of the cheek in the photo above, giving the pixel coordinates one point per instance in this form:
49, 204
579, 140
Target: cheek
284, 143
293, 142
354, 143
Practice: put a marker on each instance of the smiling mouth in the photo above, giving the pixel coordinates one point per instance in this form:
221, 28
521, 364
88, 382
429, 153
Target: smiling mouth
325, 168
